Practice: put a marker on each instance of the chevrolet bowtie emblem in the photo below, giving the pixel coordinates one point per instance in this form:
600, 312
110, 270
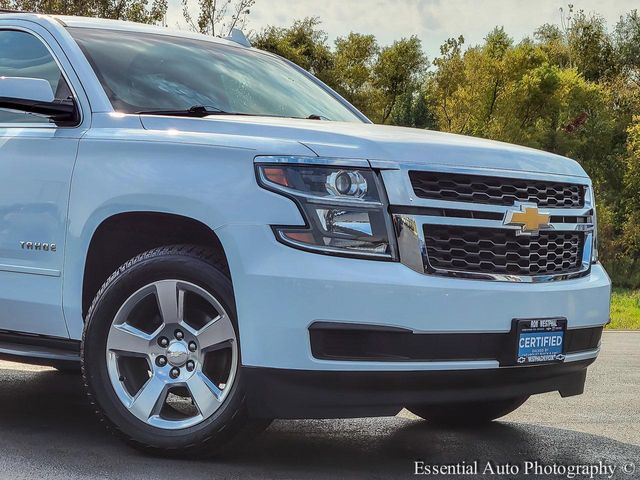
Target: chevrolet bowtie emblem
528, 218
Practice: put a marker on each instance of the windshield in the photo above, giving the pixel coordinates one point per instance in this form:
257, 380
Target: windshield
143, 72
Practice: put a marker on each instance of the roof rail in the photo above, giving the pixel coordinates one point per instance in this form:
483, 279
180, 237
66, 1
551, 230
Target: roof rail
238, 37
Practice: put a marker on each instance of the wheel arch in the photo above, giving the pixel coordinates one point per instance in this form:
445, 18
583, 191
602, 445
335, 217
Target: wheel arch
135, 232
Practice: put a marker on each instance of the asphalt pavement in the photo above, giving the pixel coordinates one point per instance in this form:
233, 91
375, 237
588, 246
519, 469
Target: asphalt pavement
48, 431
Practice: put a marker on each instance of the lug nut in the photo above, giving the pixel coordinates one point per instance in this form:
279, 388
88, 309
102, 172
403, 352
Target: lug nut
192, 346
191, 365
163, 342
161, 361
174, 373
179, 335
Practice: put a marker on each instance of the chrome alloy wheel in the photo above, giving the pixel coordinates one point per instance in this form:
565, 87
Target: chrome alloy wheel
172, 354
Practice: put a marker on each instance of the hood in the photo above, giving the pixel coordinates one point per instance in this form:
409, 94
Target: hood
378, 143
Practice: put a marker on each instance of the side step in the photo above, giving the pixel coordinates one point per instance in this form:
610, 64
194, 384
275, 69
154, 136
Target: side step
39, 349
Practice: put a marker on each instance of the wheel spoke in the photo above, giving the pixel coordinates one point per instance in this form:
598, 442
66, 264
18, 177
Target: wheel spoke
219, 330
170, 301
204, 393
127, 339
149, 399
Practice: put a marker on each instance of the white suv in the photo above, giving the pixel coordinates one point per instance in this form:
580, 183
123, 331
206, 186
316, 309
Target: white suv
221, 240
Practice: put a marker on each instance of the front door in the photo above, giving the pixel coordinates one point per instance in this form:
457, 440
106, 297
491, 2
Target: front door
36, 164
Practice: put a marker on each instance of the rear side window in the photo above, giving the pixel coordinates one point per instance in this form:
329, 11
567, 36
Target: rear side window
25, 56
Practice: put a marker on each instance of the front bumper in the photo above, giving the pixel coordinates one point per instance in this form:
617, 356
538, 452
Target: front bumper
279, 393
280, 292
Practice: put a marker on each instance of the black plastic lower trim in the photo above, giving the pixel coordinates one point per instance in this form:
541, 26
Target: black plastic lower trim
280, 393
359, 342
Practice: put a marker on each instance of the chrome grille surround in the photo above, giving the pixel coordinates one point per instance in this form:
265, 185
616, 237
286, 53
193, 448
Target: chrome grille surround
412, 215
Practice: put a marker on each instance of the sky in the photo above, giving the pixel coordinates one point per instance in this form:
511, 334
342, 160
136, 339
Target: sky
433, 21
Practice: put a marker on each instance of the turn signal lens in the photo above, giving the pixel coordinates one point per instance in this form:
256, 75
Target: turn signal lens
276, 175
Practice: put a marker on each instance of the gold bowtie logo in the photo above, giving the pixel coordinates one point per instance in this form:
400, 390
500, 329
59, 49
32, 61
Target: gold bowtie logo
528, 218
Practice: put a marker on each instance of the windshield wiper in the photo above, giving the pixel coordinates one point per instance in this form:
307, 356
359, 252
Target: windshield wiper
314, 116
198, 111
201, 111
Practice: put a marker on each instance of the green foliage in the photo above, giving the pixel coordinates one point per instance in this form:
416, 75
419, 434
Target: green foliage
382, 83
134, 10
625, 309
303, 43
591, 46
354, 58
396, 72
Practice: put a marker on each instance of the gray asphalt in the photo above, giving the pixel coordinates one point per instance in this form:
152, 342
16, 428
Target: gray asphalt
47, 431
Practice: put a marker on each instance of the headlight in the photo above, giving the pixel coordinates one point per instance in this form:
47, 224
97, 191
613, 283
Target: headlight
344, 208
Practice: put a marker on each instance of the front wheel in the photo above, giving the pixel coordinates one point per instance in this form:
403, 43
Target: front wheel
161, 356
467, 413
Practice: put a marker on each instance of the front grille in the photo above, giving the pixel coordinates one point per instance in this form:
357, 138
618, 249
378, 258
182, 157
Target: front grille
497, 251
495, 190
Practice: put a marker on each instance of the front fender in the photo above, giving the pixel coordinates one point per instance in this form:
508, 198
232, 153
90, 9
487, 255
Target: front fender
208, 181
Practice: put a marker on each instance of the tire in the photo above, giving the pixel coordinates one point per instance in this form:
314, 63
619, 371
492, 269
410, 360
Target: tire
122, 379
467, 413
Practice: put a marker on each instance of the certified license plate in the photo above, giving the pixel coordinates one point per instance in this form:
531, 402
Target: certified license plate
541, 340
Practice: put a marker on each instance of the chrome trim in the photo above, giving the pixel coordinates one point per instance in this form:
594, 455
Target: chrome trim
282, 238
315, 199
587, 354
313, 161
413, 250
499, 224
482, 207
409, 226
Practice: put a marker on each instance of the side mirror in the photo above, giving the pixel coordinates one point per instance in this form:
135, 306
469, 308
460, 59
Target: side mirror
34, 95
29, 89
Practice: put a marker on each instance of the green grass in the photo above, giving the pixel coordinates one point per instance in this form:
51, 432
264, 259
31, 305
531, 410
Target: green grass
625, 309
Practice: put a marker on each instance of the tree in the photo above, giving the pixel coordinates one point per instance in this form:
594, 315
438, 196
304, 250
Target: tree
303, 43
413, 109
218, 17
551, 39
590, 46
353, 62
448, 78
627, 45
397, 72
133, 10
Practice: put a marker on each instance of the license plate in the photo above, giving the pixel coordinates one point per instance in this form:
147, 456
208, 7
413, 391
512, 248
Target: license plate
541, 340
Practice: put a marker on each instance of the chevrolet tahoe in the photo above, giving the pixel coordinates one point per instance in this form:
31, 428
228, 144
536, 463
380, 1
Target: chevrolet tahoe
219, 239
